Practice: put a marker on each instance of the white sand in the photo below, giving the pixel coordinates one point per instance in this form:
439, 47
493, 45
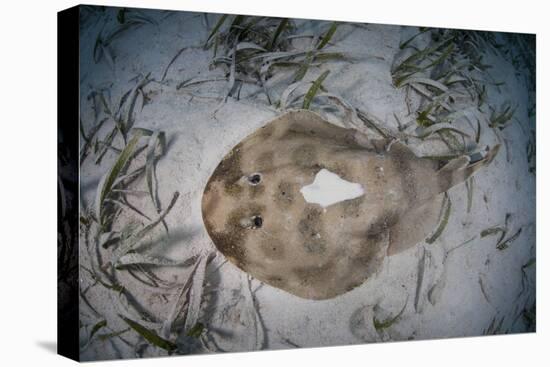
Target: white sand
200, 131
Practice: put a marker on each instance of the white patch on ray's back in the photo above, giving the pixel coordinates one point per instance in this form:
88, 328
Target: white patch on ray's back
328, 188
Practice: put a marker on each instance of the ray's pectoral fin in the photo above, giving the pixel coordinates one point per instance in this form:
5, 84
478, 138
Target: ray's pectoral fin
415, 225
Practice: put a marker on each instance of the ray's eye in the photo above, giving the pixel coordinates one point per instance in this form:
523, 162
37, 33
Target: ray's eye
257, 221
254, 179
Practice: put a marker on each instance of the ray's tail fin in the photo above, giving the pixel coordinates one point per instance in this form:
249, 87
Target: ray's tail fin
461, 168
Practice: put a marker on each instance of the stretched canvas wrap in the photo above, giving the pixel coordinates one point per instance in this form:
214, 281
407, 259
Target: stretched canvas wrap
232, 183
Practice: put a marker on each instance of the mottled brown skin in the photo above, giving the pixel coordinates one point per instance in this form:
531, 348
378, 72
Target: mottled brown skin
299, 247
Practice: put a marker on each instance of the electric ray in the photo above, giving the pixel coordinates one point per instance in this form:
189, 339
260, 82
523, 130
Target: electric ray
255, 210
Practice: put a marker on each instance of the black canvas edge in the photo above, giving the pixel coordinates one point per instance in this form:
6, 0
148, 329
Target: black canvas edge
68, 178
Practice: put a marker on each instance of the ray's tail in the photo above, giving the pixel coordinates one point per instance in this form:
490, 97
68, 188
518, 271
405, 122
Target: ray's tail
460, 169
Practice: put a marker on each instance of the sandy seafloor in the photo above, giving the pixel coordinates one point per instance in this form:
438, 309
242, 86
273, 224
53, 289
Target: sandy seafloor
477, 285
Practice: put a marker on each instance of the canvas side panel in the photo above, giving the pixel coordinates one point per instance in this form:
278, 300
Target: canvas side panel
67, 182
